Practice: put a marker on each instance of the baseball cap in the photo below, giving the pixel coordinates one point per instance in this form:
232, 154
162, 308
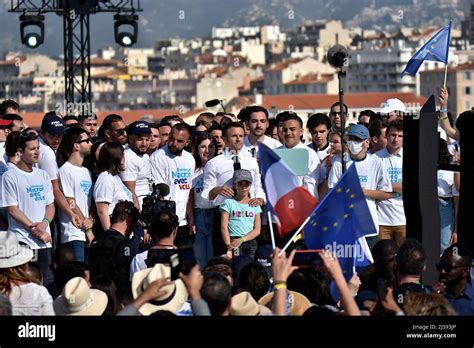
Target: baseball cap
242, 175
4, 123
138, 128
359, 131
391, 105
53, 124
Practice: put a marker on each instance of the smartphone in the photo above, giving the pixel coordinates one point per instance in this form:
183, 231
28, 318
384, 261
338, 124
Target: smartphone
306, 258
175, 266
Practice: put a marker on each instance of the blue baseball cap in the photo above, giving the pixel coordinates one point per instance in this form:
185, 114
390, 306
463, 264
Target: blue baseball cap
358, 131
242, 175
138, 128
53, 124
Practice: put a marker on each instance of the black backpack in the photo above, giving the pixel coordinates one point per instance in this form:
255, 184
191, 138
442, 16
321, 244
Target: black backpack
102, 255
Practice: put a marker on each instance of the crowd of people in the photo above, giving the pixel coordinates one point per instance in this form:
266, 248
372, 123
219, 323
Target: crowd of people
74, 195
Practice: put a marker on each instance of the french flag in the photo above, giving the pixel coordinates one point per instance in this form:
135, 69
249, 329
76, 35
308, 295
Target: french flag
288, 201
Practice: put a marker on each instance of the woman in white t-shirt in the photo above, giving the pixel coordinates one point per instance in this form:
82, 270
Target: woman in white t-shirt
26, 297
109, 188
204, 150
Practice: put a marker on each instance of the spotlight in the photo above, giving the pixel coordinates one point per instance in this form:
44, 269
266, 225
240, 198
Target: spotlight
32, 38
128, 37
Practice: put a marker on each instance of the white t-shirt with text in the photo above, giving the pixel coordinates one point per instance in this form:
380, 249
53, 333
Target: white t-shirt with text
138, 169
76, 182
372, 176
391, 211
177, 172
31, 192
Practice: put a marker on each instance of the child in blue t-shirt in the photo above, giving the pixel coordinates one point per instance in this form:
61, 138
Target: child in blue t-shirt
240, 223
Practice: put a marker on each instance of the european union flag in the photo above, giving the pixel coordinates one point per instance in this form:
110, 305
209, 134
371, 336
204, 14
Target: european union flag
436, 49
341, 221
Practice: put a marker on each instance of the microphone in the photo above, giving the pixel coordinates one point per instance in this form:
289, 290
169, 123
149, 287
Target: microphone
337, 56
163, 189
211, 103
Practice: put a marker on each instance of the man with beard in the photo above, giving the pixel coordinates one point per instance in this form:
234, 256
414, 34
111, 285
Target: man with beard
52, 131
174, 166
258, 124
165, 129
455, 280
137, 162
113, 129
76, 184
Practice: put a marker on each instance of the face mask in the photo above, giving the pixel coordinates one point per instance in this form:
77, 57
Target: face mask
355, 147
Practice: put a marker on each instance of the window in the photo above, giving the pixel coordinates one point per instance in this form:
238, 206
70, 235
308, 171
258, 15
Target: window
467, 90
467, 75
467, 105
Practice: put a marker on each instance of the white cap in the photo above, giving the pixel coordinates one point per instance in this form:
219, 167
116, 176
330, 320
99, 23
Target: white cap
391, 105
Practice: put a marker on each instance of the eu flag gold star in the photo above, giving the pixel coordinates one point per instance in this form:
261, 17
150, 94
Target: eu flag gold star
335, 224
351, 206
352, 196
346, 216
338, 190
325, 228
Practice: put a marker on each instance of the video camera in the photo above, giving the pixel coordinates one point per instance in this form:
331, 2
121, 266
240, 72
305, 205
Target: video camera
154, 203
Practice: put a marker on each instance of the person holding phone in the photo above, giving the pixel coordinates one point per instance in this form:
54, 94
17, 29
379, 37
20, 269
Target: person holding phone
240, 222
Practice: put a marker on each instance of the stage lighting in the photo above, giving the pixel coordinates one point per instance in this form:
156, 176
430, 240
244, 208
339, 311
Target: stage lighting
32, 30
126, 29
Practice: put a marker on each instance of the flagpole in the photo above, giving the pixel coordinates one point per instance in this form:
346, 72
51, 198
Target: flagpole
445, 74
296, 233
270, 226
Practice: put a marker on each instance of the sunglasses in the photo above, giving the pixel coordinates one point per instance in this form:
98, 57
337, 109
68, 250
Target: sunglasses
447, 267
29, 134
120, 131
88, 140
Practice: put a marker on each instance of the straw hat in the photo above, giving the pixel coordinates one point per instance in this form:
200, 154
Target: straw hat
12, 254
175, 294
298, 302
78, 299
244, 304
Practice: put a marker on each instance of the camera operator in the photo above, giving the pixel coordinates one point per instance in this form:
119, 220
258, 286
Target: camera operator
110, 253
174, 166
163, 231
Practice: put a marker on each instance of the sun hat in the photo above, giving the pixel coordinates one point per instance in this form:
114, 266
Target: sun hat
244, 304
12, 254
298, 302
78, 299
175, 293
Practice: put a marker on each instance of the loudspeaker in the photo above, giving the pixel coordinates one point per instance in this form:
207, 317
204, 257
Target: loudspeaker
420, 183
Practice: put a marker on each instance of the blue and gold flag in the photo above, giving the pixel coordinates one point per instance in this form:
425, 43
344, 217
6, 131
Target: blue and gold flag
341, 221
